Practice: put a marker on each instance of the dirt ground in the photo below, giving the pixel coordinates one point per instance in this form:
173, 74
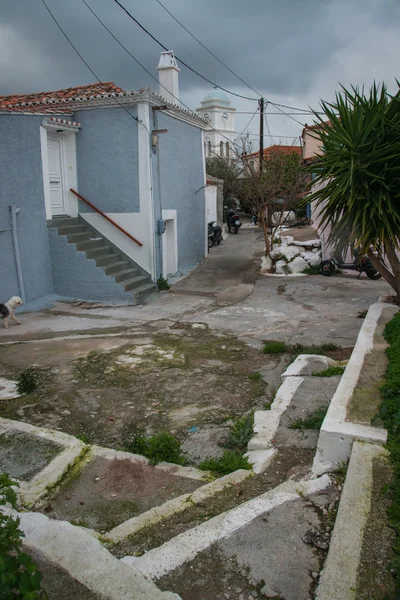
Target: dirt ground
174, 379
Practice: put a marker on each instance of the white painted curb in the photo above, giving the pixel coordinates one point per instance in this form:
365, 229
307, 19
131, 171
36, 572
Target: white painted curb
266, 422
339, 576
336, 434
85, 559
176, 505
181, 549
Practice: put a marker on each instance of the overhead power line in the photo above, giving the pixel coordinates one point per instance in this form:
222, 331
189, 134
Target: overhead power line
87, 65
180, 59
221, 62
196, 72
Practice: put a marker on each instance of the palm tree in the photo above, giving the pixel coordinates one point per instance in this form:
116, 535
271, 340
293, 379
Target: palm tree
359, 175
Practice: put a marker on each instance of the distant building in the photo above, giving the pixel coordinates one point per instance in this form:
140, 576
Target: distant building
216, 110
253, 160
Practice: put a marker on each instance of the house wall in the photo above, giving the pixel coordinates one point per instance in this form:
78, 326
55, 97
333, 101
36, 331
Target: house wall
179, 181
112, 153
311, 144
22, 184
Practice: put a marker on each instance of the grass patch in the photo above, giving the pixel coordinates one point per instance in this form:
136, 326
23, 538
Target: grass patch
255, 376
240, 434
330, 371
313, 421
274, 347
390, 415
27, 381
162, 447
313, 270
230, 461
362, 314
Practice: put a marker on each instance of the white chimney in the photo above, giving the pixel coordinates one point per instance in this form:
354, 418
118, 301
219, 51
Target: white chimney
168, 77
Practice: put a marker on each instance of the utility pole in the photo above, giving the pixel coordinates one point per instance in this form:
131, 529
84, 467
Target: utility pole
261, 105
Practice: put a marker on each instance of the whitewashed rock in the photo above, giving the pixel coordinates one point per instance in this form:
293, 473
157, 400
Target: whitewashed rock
298, 265
310, 244
8, 389
287, 239
312, 258
276, 252
289, 252
315, 250
266, 264
281, 267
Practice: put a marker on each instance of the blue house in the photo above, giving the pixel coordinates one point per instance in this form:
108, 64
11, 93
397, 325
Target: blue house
102, 191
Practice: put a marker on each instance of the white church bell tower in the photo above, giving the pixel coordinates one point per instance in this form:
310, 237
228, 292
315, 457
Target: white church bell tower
219, 138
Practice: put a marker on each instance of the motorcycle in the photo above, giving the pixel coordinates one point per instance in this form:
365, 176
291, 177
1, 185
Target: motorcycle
214, 234
361, 264
232, 221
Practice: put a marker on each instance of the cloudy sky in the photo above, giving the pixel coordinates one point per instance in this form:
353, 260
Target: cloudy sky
292, 51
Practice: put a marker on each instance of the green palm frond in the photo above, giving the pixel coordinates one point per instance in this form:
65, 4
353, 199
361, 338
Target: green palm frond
359, 171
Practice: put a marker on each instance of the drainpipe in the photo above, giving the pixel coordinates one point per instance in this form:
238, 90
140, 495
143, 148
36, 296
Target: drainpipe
14, 212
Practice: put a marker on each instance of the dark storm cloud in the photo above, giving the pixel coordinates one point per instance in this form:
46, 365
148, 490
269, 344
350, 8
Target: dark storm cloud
292, 51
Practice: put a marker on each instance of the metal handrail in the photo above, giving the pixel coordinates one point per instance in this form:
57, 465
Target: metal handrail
105, 216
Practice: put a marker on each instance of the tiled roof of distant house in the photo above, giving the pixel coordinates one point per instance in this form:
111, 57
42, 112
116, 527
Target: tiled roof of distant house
276, 148
60, 101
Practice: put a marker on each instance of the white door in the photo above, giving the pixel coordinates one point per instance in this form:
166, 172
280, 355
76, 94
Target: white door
56, 176
211, 203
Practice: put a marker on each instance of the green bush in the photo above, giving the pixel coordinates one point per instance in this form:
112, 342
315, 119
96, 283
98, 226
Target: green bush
330, 371
161, 447
163, 284
275, 347
230, 461
19, 576
27, 381
255, 376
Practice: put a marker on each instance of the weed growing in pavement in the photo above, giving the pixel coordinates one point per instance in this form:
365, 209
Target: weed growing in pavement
313, 421
362, 314
163, 284
27, 381
230, 461
240, 434
330, 371
275, 347
161, 447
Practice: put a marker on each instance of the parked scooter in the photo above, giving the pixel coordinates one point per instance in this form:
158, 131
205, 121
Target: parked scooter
362, 264
214, 234
233, 221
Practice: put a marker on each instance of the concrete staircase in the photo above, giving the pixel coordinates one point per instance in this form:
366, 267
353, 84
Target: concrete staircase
125, 272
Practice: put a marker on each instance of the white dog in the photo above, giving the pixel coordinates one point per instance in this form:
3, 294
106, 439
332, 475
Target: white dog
7, 310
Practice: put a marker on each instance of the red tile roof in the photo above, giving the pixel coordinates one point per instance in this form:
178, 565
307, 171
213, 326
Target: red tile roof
49, 102
277, 148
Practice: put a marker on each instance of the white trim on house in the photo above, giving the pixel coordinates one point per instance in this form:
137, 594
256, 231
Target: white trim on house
205, 203
170, 267
69, 167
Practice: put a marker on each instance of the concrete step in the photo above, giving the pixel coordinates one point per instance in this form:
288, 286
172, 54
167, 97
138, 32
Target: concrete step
116, 267
71, 229
126, 274
90, 244
108, 259
134, 282
100, 252
144, 290
79, 237
63, 222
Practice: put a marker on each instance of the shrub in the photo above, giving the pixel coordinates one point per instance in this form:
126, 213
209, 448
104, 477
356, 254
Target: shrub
27, 381
255, 376
161, 447
19, 576
163, 284
275, 347
230, 461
